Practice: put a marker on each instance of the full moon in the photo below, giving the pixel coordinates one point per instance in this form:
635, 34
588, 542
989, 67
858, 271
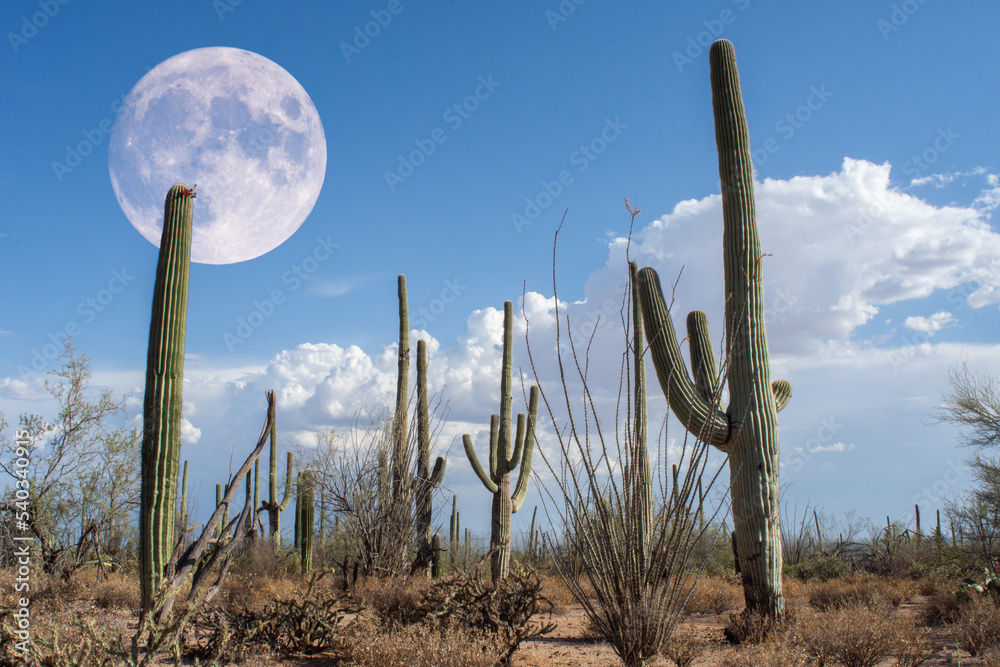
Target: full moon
237, 125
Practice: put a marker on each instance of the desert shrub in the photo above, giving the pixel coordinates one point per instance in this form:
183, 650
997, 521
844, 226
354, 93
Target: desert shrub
932, 585
713, 595
978, 627
117, 592
261, 558
307, 625
778, 653
683, 647
502, 610
53, 591
418, 646
857, 635
67, 640
941, 608
871, 593
557, 593
913, 648
748, 627
823, 567
394, 599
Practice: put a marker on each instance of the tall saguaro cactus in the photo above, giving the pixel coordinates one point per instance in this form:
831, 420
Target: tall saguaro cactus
305, 517
273, 507
161, 430
748, 429
641, 475
509, 451
400, 426
427, 480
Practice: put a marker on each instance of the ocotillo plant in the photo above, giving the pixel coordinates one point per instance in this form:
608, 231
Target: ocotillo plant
272, 506
305, 515
426, 480
161, 430
508, 451
748, 429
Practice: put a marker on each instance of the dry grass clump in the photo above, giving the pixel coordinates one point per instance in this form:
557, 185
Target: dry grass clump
417, 646
978, 627
713, 595
52, 592
397, 599
932, 585
118, 591
913, 648
941, 608
558, 593
683, 647
856, 635
749, 627
839, 593
774, 653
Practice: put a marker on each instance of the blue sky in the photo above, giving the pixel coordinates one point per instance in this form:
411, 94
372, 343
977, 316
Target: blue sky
876, 155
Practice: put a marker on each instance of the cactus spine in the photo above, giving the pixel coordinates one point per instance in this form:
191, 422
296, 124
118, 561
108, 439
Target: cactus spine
508, 451
748, 429
273, 507
305, 516
161, 432
427, 480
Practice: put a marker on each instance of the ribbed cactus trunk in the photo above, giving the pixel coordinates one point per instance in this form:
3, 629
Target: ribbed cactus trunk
163, 401
643, 475
305, 518
436, 557
748, 429
273, 507
400, 421
753, 457
508, 451
427, 480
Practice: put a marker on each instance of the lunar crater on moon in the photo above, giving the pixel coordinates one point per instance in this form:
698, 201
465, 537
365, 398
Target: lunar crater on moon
237, 125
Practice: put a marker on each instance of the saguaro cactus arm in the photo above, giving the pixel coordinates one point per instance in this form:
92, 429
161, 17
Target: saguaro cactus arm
288, 483
697, 414
703, 367
528, 448
782, 394
470, 451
